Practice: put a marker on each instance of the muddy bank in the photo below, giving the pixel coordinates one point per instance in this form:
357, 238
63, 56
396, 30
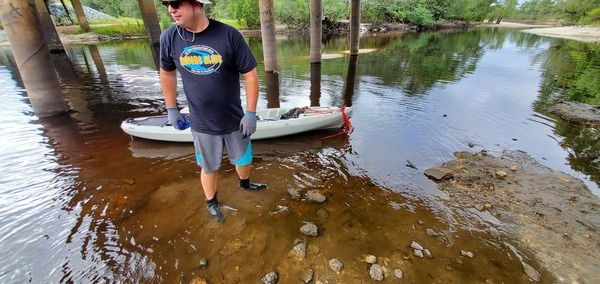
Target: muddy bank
550, 214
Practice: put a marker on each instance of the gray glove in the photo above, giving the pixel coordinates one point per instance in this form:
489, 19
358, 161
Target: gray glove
248, 123
175, 118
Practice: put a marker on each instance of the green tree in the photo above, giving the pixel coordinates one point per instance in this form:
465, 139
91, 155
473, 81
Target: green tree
576, 10
420, 16
501, 9
294, 13
245, 10
537, 10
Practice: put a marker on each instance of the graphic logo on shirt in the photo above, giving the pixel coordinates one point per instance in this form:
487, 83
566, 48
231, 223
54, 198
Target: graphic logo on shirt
200, 59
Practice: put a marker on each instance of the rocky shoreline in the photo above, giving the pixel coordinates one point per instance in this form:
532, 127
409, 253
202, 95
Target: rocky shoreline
551, 214
578, 113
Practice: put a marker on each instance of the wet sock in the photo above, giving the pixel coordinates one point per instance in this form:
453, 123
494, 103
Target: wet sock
212, 201
245, 183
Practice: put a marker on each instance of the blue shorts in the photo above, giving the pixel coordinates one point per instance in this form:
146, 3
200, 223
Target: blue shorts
209, 149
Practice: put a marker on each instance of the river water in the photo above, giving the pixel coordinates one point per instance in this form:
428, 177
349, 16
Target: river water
82, 202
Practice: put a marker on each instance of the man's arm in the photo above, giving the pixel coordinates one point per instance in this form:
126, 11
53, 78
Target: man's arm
251, 86
168, 83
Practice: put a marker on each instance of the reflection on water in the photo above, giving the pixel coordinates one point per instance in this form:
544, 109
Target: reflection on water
82, 202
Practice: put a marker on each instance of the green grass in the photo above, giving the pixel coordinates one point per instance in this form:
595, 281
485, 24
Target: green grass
129, 27
234, 23
122, 27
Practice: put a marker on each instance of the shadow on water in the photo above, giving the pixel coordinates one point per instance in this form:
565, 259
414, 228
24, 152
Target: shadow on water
121, 210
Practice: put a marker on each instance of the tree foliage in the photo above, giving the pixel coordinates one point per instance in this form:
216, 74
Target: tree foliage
568, 11
241, 10
296, 13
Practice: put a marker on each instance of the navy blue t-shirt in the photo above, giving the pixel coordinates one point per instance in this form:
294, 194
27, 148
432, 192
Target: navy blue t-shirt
210, 68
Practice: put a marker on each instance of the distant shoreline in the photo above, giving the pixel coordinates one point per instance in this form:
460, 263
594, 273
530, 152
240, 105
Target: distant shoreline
579, 33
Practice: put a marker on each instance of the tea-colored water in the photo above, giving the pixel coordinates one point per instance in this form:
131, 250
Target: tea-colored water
83, 202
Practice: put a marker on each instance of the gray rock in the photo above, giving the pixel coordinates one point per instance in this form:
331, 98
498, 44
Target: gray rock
416, 245
418, 253
57, 12
308, 275
270, 278
299, 250
438, 173
427, 253
531, 272
466, 253
431, 233
203, 262
493, 232
315, 196
579, 113
370, 259
398, 272
309, 229
294, 193
336, 265
376, 272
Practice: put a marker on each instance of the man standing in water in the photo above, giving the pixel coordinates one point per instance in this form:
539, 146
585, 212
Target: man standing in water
210, 56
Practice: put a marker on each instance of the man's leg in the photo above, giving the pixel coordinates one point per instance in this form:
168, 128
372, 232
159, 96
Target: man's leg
209, 183
212, 146
244, 176
239, 150
243, 171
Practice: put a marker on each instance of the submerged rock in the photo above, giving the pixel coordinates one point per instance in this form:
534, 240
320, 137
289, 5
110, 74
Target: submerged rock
309, 229
336, 265
398, 272
531, 272
371, 259
376, 272
438, 173
416, 245
270, 278
466, 253
315, 196
299, 250
308, 275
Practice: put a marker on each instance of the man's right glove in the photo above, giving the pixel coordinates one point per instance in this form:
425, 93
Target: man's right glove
176, 119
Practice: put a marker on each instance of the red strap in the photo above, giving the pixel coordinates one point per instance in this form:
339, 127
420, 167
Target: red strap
348, 126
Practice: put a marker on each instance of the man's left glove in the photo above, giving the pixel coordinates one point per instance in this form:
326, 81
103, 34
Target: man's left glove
248, 123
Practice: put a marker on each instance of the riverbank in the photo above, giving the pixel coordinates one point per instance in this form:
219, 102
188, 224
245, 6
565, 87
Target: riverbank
579, 33
551, 214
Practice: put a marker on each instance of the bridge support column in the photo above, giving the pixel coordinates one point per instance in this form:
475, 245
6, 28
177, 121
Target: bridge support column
32, 56
48, 28
83, 22
150, 18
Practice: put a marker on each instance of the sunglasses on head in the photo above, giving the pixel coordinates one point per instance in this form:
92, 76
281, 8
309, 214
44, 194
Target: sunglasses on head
173, 4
